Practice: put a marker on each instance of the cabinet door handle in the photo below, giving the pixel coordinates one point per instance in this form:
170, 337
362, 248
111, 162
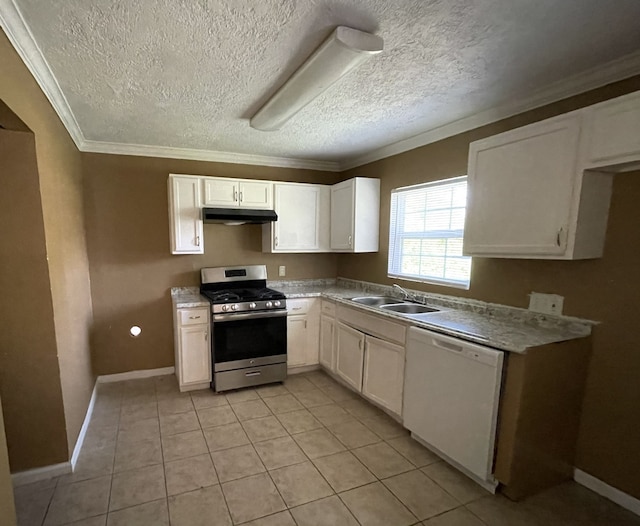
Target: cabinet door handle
194, 317
235, 194
241, 197
360, 345
558, 237
350, 239
253, 373
197, 241
305, 324
276, 240
206, 336
296, 308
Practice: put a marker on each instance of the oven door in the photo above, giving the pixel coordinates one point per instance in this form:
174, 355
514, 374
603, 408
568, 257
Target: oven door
249, 339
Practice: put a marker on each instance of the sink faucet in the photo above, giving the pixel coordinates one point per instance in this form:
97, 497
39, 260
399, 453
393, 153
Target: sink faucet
407, 295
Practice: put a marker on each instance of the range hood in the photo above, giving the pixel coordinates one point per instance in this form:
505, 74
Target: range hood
237, 216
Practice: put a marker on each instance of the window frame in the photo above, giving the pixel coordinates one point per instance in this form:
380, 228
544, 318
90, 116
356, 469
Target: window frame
395, 240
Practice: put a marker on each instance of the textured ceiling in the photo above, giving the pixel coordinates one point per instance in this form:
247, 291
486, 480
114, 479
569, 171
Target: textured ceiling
190, 73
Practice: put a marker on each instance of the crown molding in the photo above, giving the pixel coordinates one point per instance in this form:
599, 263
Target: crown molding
190, 154
21, 38
619, 69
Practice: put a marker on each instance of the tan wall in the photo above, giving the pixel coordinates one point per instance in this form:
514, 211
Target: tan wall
7, 506
606, 289
60, 178
132, 269
29, 374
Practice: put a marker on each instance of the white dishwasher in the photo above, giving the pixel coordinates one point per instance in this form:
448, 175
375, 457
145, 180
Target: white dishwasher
451, 396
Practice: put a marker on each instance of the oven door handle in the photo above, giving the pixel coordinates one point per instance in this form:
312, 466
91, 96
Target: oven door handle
249, 315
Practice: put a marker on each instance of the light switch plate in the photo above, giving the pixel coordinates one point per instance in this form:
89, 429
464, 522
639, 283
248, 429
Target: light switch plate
546, 303
282, 271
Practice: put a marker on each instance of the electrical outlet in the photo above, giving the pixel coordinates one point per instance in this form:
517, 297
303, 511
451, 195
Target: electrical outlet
546, 303
282, 271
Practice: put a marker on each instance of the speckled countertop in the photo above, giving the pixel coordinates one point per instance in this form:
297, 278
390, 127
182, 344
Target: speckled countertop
499, 326
188, 297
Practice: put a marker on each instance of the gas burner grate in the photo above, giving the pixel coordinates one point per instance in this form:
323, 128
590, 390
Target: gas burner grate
224, 296
267, 294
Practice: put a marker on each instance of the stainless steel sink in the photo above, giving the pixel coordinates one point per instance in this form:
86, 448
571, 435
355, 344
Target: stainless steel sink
375, 301
409, 308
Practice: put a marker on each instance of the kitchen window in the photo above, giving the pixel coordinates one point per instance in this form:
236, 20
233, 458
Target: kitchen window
425, 233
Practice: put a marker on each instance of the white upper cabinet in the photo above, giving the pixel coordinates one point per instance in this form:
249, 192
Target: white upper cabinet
256, 194
237, 193
185, 216
612, 134
528, 197
304, 212
355, 215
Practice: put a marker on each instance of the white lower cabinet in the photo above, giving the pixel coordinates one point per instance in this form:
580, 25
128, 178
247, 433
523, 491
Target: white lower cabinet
192, 348
350, 355
327, 342
303, 327
373, 365
383, 378
296, 340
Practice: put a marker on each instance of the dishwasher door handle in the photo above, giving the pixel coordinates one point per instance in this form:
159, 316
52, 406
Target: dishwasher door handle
446, 345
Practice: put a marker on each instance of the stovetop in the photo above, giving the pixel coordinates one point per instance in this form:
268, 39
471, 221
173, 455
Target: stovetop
242, 295
240, 289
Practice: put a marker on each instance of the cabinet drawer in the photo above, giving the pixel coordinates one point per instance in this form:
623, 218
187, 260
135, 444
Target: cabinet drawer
371, 324
328, 308
193, 316
298, 306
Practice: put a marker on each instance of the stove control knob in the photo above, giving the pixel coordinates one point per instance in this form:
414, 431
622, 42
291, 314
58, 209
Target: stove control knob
225, 308
276, 303
234, 306
252, 305
268, 305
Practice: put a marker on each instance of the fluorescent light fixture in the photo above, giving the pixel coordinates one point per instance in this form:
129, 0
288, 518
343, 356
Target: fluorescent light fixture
344, 50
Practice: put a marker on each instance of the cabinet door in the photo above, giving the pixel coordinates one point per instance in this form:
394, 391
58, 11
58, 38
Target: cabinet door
342, 215
613, 131
521, 185
296, 340
298, 208
185, 215
220, 191
195, 363
327, 327
350, 355
256, 194
384, 373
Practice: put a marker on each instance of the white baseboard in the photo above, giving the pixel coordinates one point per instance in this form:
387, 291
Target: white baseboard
34, 475
134, 375
609, 492
83, 429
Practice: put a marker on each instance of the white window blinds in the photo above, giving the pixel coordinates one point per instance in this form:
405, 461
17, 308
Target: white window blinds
425, 233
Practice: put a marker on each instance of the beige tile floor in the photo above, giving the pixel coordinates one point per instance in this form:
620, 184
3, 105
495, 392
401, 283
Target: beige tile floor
306, 453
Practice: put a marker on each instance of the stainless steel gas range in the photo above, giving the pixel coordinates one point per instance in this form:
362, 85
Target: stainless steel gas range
248, 327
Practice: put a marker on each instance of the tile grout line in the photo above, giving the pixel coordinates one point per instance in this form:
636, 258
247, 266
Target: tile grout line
164, 471
288, 434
